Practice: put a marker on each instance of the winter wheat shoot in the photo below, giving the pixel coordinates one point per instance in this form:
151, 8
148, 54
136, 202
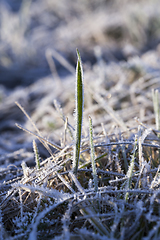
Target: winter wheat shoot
78, 113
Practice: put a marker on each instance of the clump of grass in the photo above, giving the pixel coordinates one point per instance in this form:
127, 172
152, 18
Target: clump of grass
56, 197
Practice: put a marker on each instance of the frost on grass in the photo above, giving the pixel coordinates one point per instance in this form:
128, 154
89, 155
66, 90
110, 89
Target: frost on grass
125, 205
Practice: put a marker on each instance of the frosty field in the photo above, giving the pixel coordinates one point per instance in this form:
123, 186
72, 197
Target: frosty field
79, 131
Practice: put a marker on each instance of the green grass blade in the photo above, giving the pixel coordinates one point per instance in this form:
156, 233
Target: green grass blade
131, 168
78, 113
37, 158
155, 98
94, 170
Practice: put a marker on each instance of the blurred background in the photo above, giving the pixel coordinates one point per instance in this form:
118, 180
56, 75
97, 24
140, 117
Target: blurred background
118, 41
28, 28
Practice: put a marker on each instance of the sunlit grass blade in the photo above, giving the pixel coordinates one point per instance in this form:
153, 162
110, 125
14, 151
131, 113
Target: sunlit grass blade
54, 145
78, 113
35, 127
